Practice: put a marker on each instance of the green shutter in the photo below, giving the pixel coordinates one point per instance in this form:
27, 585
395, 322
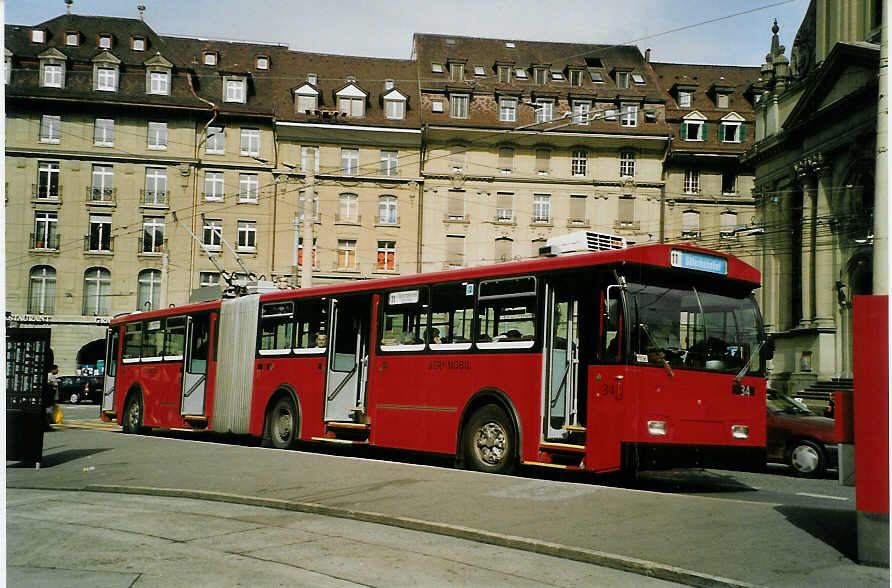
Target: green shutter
705, 132
721, 132
684, 131
742, 132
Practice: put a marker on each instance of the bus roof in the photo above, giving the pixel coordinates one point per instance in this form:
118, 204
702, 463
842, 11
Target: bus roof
657, 255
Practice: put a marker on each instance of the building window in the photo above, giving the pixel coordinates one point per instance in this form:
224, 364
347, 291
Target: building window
346, 254
158, 136
629, 115
627, 164
45, 225
213, 185
306, 101
455, 250
38, 35
102, 187
575, 77
508, 109
250, 143
504, 207
437, 67
138, 43
105, 41
458, 105
235, 91
729, 182
540, 76
312, 79
577, 209
626, 211
543, 161
520, 73
731, 132
301, 196
541, 208
152, 234
389, 84
557, 76
504, 74
395, 109
638, 78
53, 75
544, 110
685, 98
159, 82
387, 210
50, 128
148, 289
728, 222
47, 179
348, 208
210, 58
506, 159
386, 256
721, 100
503, 249
456, 72
622, 79
580, 112
309, 159
479, 70
691, 181
215, 142
579, 162
299, 259
42, 290
437, 106
261, 62
97, 291
349, 161
104, 132
693, 130
455, 205
690, 224
248, 187
389, 163
99, 238
208, 279
352, 106
247, 235
106, 79
156, 186
212, 233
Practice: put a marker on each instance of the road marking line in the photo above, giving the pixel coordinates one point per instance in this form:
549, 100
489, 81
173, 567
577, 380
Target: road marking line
821, 496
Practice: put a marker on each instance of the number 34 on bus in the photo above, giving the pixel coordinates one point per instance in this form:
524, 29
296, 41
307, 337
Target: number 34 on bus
635, 358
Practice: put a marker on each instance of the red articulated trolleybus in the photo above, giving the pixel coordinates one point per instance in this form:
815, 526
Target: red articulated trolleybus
635, 358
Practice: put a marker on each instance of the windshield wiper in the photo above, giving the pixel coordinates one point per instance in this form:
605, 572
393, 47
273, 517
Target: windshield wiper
746, 366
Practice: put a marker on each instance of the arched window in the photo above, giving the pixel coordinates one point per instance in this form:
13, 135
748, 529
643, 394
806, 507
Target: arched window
728, 224
690, 224
387, 210
348, 208
148, 291
503, 249
42, 290
97, 291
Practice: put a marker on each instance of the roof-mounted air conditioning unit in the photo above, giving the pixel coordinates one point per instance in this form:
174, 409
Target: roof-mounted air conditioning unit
581, 242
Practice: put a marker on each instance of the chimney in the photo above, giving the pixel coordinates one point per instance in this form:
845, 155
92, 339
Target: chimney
68, 4
141, 8
647, 55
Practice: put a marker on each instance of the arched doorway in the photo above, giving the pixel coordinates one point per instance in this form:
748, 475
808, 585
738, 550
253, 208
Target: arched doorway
90, 354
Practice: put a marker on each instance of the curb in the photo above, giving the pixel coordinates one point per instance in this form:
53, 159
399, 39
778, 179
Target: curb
598, 558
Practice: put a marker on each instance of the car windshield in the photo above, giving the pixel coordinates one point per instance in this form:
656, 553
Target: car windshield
787, 405
692, 328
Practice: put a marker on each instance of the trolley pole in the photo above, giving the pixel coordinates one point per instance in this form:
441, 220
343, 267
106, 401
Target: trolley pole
306, 266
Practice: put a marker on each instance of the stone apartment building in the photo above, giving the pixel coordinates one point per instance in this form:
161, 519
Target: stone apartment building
121, 142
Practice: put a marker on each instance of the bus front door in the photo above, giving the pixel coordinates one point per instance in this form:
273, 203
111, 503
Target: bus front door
195, 364
348, 358
561, 363
111, 369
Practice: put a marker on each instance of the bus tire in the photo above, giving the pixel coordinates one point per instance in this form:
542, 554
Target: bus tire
282, 423
488, 441
133, 415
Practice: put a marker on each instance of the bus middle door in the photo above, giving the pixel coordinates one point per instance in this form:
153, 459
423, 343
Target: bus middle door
348, 356
195, 364
111, 369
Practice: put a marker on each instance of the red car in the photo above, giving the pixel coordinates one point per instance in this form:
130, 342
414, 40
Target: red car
798, 437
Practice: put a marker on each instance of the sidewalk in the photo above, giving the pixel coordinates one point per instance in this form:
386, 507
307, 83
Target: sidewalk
690, 539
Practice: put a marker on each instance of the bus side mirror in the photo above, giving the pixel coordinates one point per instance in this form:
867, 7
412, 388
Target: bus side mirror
769, 348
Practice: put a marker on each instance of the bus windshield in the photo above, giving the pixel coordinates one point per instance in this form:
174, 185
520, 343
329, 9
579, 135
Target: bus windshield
691, 328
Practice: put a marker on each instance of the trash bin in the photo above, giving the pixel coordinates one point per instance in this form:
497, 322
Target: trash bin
25, 423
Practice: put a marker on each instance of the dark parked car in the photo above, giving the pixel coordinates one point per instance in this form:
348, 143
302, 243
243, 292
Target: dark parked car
798, 437
75, 389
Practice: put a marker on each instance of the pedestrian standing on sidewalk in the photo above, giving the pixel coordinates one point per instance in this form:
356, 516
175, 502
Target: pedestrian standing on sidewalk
51, 393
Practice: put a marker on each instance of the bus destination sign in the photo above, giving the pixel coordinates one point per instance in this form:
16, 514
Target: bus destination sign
698, 261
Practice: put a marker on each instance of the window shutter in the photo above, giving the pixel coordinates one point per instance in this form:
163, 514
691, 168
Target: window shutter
684, 131
721, 132
704, 132
742, 132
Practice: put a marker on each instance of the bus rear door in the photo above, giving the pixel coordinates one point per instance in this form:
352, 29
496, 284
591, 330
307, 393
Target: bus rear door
561, 362
111, 369
195, 365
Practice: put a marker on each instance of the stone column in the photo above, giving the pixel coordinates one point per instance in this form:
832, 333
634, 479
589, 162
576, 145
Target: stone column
825, 291
807, 182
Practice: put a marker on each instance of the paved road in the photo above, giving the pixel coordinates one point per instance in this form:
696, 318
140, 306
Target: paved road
98, 540
730, 528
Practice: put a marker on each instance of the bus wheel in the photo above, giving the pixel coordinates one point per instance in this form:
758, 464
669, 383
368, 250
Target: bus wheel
282, 423
133, 415
488, 441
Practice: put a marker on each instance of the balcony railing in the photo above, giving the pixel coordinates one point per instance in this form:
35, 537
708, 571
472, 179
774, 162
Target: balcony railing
147, 247
45, 242
46, 192
627, 224
578, 222
353, 219
504, 215
690, 234
387, 220
217, 196
103, 246
153, 197
99, 195
540, 220
451, 217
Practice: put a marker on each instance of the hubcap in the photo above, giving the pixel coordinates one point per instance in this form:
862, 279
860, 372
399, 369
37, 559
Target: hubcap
490, 443
73, 399
133, 415
283, 425
805, 459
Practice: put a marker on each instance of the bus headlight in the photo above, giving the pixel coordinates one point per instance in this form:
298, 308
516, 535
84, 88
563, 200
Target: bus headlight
740, 431
656, 427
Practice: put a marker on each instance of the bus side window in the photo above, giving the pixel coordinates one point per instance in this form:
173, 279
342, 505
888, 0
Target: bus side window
132, 342
613, 327
404, 320
175, 338
276, 328
506, 313
452, 313
111, 364
198, 348
312, 318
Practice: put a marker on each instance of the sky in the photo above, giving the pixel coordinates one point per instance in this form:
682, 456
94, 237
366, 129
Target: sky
385, 28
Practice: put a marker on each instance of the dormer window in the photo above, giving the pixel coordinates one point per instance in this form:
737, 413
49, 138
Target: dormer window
53, 75
105, 41
210, 58
557, 76
520, 73
479, 70
235, 89
575, 77
138, 43
540, 75
72, 38
158, 72
597, 77
685, 98
312, 79
693, 127
261, 62
456, 72
388, 84
437, 67
107, 79
721, 100
504, 74
731, 129
351, 101
638, 78
38, 36
306, 99
394, 105
622, 79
